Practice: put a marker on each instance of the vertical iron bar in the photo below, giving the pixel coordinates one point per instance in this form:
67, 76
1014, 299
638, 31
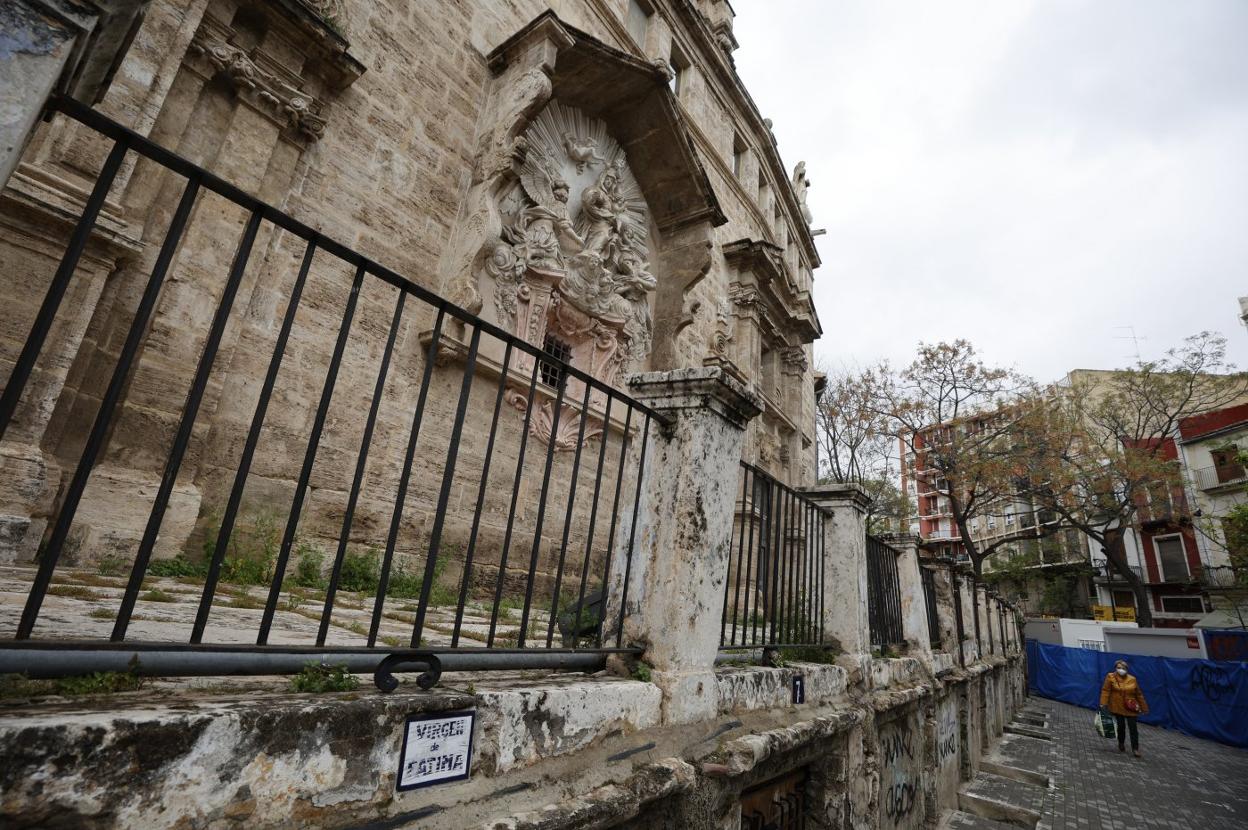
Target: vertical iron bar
632, 532
567, 519
253, 436
723, 616
809, 547
42, 325
97, 438
593, 523
774, 504
482, 490
536, 549
822, 553
615, 512
309, 458
361, 463
740, 534
190, 409
405, 477
515, 496
762, 568
749, 559
444, 494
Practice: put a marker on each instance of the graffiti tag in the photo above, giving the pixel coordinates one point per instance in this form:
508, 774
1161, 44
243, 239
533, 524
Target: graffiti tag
1211, 681
947, 739
899, 800
896, 746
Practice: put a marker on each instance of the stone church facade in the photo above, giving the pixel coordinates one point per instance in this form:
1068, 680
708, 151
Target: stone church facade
591, 176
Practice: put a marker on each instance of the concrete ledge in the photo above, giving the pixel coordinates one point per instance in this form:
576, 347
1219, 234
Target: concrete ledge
524, 724
741, 755
898, 671
752, 688
261, 761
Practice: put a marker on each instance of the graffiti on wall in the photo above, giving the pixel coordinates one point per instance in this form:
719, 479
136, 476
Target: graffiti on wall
899, 788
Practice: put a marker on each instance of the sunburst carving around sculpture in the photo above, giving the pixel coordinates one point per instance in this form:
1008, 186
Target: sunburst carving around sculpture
574, 255
578, 209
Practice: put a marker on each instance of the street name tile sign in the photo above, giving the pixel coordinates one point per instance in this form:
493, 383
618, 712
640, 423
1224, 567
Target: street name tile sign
437, 749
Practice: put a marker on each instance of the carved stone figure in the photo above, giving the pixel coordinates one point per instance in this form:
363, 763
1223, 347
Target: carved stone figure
800, 185
578, 215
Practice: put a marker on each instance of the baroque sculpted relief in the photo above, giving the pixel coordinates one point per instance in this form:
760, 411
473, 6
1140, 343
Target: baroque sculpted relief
573, 262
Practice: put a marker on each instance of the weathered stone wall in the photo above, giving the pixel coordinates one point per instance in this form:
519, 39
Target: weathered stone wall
553, 752
385, 161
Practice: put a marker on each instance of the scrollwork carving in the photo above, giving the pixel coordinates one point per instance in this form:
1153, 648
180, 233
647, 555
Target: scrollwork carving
296, 109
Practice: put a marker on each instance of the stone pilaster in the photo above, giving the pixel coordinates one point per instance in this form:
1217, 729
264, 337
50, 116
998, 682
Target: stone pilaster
684, 526
845, 564
913, 600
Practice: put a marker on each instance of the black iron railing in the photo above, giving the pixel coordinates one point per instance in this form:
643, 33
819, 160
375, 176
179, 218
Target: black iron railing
556, 474
773, 596
883, 594
928, 578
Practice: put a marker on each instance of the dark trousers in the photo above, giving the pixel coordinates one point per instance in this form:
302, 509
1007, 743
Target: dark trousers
1125, 722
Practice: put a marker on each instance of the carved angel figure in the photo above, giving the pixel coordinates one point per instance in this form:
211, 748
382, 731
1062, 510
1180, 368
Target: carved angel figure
582, 151
547, 230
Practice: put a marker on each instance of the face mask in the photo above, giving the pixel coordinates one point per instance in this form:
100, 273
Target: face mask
1122, 672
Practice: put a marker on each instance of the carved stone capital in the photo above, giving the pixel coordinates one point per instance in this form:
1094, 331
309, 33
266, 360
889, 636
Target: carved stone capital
259, 81
708, 387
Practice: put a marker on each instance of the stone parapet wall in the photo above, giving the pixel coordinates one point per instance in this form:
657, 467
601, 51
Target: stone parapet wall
553, 752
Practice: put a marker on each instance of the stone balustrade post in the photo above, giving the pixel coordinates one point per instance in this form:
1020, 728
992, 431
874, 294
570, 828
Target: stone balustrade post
845, 619
675, 590
913, 600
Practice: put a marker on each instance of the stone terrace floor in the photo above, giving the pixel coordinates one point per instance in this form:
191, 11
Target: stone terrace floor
1181, 783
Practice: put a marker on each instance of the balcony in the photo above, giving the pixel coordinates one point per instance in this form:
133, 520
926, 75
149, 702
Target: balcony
942, 535
1211, 478
1223, 578
1106, 573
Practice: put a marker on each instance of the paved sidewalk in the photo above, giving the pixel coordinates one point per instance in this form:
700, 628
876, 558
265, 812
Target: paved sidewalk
1181, 783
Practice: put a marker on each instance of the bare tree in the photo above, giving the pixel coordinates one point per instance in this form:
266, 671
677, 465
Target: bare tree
854, 441
957, 415
1096, 448
855, 445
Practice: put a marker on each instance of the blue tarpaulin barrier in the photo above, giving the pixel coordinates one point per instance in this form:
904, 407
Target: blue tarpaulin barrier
1226, 643
1202, 698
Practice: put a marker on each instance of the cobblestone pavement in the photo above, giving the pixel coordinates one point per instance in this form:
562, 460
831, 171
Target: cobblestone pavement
1180, 783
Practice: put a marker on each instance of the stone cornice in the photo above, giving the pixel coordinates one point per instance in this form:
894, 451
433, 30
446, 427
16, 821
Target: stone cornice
710, 55
706, 387
713, 55
765, 261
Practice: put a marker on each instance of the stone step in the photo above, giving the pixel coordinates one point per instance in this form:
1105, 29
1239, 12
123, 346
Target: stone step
1024, 752
1016, 728
1003, 799
961, 820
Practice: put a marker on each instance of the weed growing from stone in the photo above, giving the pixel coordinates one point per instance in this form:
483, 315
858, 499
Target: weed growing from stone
316, 678
641, 671
97, 683
110, 564
157, 595
73, 592
101, 614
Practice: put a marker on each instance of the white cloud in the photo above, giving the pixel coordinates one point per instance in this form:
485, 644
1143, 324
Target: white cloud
1029, 175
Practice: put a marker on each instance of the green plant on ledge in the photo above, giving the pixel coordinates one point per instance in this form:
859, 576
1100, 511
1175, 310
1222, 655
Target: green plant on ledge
317, 677
641, 671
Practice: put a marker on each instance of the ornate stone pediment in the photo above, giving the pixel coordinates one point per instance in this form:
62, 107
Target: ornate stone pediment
589, 216
575, 222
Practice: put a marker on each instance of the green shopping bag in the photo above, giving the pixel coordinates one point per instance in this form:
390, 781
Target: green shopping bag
1105, 725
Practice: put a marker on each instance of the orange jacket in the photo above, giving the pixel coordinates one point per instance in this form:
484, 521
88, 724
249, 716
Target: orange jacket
1116, 691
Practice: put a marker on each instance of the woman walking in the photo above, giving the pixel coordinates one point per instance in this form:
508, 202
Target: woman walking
1121, 695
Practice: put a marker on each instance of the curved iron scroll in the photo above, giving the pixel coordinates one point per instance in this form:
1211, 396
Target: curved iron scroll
384, 677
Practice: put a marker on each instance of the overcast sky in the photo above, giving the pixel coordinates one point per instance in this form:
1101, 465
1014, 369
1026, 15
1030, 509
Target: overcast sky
1028, 175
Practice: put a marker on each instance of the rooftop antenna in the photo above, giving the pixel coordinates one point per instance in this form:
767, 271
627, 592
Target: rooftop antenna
1135, 340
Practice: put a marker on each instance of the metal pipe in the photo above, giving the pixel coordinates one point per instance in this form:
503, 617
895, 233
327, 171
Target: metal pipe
61, 662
